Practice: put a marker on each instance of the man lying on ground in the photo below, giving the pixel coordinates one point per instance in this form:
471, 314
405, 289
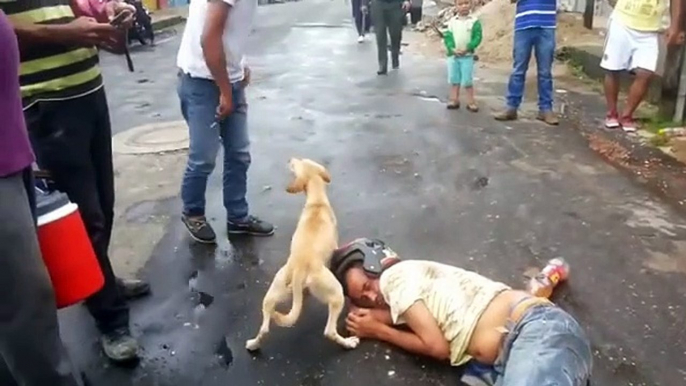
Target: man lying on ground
456, 315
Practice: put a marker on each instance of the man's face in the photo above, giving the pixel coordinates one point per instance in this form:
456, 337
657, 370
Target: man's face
363, 290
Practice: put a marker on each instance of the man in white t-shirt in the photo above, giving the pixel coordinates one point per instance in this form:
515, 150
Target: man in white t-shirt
212, 83
633, 44
455, 315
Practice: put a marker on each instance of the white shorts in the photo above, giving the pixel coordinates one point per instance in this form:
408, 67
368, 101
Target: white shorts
628, 49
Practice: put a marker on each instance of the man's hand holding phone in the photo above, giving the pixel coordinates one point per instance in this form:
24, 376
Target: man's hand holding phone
120, 14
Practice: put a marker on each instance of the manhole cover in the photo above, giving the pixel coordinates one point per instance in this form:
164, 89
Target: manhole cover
152, 138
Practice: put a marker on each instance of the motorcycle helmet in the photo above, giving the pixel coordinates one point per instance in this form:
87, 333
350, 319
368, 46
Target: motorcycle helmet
374, 255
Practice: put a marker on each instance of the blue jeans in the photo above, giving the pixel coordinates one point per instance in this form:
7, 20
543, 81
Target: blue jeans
542, 42
199, 99
546, 348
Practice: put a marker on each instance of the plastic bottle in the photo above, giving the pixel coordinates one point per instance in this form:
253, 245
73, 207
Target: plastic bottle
543, 284
449, 42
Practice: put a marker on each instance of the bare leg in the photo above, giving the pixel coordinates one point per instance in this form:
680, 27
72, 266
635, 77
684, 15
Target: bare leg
471, 102
455, 93
637, 92
611, 91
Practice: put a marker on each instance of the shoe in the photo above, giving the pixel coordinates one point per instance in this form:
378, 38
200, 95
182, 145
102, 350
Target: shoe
119, 345
395, 63
628, 124
453, 105
382, 71
506, 115
199, 229
548, 117
360, 39
133, 289
251, 226
473, 107
612, 121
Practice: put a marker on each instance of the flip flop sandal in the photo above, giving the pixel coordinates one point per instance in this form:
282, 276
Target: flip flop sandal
453, 105
473, 108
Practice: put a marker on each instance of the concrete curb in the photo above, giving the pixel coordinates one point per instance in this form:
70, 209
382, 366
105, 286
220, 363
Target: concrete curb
167, 21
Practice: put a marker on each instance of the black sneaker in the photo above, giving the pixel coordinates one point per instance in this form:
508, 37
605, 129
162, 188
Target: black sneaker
200, 229
252, 226
119, 345
133, 289
395, 63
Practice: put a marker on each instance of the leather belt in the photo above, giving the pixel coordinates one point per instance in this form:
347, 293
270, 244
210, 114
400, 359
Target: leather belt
520, 309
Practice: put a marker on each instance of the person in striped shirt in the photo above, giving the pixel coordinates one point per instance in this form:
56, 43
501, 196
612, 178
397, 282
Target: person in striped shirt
535, 24
66, 113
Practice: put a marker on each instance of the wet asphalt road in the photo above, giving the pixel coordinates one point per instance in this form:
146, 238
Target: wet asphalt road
447, 186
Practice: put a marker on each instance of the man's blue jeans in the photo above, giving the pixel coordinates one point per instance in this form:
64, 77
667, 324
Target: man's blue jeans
546, 347
199, 99
542, 42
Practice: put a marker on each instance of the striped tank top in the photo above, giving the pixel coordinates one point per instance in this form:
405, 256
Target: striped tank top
52, 71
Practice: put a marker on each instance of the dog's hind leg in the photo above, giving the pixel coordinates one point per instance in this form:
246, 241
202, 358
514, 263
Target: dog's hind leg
278, 291
328, 290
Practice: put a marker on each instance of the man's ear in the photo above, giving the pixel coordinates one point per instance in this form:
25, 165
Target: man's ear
324, 174
296, 186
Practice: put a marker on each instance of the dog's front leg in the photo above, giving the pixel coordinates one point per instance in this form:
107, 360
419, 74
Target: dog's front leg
328, 290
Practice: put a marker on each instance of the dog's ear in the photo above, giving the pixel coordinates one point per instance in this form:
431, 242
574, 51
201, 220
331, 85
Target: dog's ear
324, 174
296, 186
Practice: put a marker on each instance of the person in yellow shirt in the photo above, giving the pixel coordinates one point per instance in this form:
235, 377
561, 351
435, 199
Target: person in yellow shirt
459, 317
632, 44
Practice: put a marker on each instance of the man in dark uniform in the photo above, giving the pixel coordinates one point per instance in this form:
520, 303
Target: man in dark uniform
388, 16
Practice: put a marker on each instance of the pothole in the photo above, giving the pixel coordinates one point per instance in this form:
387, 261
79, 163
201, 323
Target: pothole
152, 138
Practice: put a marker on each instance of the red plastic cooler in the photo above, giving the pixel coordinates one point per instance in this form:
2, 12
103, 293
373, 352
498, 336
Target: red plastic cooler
67, 251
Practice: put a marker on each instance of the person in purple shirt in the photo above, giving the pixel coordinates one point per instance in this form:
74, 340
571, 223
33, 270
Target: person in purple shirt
31, 351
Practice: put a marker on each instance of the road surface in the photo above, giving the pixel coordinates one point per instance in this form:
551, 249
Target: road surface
449, 186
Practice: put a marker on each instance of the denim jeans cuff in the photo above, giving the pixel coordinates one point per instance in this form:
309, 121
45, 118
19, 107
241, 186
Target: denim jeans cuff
194, 212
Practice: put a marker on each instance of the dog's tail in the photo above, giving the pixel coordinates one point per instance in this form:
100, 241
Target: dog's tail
297, 284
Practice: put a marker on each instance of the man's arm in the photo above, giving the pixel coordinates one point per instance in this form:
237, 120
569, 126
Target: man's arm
84, 31
426, 338
676, 7
213, 44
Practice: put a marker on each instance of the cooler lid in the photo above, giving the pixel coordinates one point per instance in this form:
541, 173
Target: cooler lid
48, 202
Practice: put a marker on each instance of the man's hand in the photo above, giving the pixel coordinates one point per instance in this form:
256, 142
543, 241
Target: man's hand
87, 31
460, 52
406, 6
225, 106
246, 77
362, 323
674, 36
114, 8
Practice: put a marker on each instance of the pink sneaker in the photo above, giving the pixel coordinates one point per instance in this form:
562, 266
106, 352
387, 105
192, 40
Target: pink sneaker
628, 125
611, 121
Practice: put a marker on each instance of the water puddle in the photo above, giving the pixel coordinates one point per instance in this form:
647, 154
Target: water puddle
224, 353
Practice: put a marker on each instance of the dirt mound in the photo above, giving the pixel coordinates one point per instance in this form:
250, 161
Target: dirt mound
497, 18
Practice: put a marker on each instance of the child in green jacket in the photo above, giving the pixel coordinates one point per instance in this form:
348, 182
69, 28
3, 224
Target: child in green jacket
466, 32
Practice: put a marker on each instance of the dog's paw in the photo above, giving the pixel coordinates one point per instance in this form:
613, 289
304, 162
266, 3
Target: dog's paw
351, 342
252, 345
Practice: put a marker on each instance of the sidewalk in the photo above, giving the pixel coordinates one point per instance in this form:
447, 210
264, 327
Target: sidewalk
168, 17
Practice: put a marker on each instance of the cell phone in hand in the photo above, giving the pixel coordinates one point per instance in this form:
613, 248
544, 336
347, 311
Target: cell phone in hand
119, 19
